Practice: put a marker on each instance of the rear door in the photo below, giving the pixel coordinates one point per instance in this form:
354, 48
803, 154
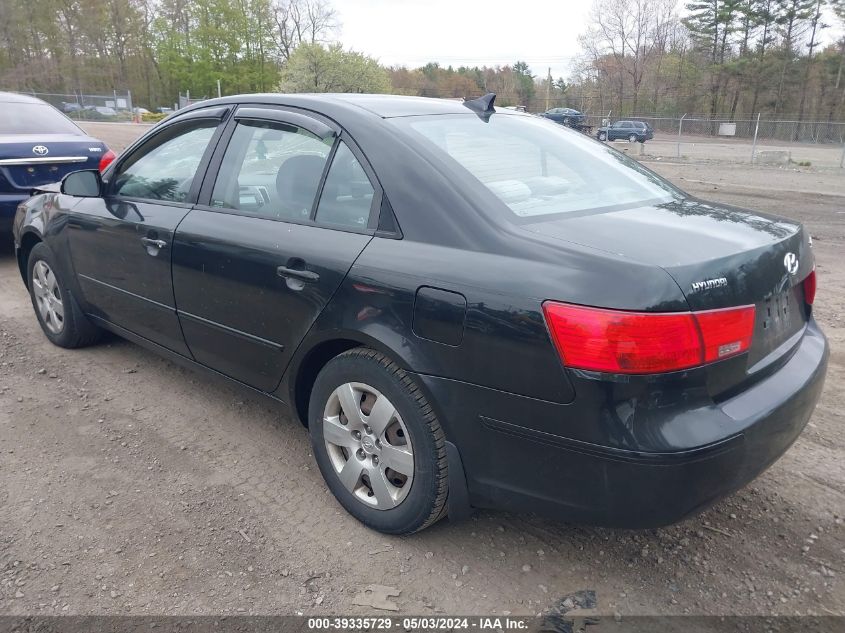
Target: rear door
256, 262
121, 244
622, 129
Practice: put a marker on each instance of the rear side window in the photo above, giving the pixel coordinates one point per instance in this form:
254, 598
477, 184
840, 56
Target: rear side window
271, 170
164, 167
35, 118
538, 168
347, 194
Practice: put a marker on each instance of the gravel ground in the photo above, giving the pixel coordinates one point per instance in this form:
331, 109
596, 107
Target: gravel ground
129, 485
704, 148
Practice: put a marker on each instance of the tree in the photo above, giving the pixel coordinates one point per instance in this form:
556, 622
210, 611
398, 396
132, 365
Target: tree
626, 39
525, 82
302, 22
710, 23
792, 21
317, 68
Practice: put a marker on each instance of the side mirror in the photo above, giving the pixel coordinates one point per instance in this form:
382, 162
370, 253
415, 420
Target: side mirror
83, 184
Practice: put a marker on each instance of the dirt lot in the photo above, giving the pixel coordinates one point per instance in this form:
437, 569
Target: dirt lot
131, 485
709, 149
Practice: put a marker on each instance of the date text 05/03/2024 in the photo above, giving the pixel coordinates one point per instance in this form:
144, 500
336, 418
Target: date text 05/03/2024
494, 623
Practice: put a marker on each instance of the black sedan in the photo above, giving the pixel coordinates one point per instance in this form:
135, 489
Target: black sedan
565, 116
467, 307
39, 145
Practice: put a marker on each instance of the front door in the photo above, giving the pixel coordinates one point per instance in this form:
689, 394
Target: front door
255, 264
121, 244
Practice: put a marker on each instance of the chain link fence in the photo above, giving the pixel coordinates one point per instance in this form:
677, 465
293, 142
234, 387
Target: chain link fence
186, 99
80, 106
757, 141
817, 132
116, 107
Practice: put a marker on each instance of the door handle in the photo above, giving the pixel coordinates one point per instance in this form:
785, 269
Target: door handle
151, 243
300, 275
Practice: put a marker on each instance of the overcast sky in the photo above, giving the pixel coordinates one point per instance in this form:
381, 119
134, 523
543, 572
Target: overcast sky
469, 32
462, 32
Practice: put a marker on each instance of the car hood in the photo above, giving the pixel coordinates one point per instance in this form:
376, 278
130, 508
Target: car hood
694, 241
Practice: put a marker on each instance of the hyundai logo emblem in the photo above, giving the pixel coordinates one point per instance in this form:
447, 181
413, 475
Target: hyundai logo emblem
790, 261
40, 150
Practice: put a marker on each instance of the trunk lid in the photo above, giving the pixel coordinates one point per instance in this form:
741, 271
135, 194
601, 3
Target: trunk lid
719, 256
30, 160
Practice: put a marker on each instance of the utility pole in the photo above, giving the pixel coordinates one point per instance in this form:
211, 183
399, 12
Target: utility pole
549, 89
754, 144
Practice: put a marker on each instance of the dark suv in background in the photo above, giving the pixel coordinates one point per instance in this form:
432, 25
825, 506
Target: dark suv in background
631, 130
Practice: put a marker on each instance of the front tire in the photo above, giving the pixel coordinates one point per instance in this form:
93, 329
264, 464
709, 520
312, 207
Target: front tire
58, 313
602, 136
633, 138
378, 443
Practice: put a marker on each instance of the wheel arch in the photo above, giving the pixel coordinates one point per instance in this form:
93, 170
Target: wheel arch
28, 241
312, 358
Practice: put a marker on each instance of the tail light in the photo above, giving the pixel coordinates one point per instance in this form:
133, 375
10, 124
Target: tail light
106, 159
810, 287
645, 342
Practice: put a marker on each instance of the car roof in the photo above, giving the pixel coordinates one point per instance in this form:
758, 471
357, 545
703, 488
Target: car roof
381, 105
14, 97
399, 105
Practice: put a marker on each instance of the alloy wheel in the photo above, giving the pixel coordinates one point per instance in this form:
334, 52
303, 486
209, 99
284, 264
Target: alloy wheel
368, 445
48, 297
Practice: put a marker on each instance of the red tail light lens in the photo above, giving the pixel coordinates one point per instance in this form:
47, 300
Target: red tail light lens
106, 159
810, 287
645, 342
725, 332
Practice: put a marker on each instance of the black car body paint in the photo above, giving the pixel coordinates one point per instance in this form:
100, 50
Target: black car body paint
446, 282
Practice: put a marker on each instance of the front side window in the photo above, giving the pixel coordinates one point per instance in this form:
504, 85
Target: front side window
164, 168
347, 194
537, 168
272, 170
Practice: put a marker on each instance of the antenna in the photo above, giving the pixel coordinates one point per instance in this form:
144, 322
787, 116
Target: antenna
482, 106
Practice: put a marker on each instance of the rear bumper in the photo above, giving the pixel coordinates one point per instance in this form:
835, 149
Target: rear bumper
511, 465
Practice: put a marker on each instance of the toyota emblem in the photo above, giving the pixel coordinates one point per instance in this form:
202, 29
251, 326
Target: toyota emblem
790, 261
40, 150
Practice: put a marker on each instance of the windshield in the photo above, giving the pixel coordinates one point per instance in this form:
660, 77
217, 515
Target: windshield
35, 118
537, 167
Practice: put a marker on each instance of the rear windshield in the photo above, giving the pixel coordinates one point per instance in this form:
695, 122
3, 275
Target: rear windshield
537, 167
34, 118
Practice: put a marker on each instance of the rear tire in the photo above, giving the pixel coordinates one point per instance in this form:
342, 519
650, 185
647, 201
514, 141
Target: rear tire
367, 415
59, 315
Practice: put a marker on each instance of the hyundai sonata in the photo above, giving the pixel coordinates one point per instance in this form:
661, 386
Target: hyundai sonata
467, 307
